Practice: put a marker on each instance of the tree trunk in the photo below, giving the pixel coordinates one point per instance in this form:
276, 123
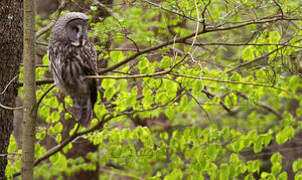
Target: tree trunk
10, 59
29, 105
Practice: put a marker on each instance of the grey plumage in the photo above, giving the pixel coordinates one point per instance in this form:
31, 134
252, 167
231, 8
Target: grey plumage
72, 57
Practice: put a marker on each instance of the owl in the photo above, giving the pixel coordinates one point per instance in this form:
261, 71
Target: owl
72, 57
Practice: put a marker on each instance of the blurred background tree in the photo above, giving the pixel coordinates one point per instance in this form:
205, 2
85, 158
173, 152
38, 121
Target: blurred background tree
11, 32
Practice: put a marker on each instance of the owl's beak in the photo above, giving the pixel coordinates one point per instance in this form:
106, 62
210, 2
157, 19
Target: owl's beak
76, 43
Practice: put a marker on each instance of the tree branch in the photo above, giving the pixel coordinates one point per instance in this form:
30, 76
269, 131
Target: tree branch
44, 94
264, 106
230, 82
170, 11
241, 44
53, 21
40, 82
254, 60
10, 108
203, 31
9, 83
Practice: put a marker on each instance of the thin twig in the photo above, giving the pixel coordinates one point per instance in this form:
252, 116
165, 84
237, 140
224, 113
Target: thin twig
110, 11
44, 94
279, 6
40, 82
10, 108
254, 60
264, 106
53, 21
170, 11
203, 14
211, 96
230, 82
41, 43
8, 84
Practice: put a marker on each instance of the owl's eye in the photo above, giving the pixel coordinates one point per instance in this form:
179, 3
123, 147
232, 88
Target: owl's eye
76, 29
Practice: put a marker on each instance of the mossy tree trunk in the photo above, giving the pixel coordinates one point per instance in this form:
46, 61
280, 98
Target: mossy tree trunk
11, 16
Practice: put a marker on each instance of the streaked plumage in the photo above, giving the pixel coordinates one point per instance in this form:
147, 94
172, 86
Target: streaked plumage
72, 57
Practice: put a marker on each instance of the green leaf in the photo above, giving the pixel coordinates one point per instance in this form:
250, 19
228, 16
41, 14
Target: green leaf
224, 171
109, 93
58, 127
282, 176
249, 177
225, 133
235, 77
176, 174
53, 103
294, 83
298, 176
276, 158
165, 62
144, 66
297, 165
45, 59
212, 151
258, 146
106, 83
116, 56
253, 166
234, 159
276, 168
230, 100
12, 144
285, 134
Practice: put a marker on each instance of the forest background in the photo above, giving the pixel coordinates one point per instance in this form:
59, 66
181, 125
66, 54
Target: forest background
189, 89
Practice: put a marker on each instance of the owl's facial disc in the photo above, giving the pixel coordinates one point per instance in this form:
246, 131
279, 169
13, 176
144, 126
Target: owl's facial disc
76, 32
79, 36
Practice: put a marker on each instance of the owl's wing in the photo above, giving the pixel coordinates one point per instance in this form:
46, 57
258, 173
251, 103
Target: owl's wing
90, 68
54, 59
93, 57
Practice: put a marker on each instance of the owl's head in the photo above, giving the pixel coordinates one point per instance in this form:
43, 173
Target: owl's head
71, 28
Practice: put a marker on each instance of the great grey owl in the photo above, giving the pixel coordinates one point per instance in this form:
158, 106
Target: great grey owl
72, 57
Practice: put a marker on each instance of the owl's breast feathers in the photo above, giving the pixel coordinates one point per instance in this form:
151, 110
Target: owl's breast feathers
70, 65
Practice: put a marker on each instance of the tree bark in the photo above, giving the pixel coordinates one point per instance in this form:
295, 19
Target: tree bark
29, 105
10, 60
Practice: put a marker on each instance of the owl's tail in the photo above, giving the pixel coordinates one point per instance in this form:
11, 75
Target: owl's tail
84, 113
